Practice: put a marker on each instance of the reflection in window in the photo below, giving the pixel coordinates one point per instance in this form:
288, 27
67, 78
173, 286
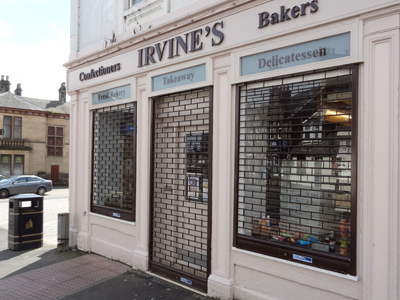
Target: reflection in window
295, 165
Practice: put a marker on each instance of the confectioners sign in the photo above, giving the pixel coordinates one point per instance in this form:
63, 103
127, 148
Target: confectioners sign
99, 72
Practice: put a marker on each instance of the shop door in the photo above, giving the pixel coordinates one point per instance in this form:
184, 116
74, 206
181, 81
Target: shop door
181, 187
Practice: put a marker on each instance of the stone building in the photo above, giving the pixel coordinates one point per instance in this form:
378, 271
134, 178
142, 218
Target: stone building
34, 134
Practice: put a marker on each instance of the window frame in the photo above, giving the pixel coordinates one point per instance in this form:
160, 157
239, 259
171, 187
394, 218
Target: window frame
12, 128
54, 146
323, 260
109, 211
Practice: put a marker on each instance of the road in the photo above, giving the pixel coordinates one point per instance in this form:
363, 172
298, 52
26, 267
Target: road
55, 202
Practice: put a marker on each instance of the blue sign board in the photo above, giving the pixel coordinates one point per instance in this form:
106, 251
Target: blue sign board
302, 258
119, 93
178, 78
186, 280
315, 51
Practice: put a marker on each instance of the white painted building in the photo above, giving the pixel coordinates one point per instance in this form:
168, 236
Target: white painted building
248, 149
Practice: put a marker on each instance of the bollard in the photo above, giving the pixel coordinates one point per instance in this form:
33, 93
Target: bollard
63, 232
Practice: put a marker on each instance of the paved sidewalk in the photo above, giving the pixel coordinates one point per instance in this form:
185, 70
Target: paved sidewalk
60, 279
45, 273
91, 277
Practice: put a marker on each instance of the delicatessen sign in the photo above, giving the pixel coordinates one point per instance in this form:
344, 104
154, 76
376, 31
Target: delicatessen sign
319, 50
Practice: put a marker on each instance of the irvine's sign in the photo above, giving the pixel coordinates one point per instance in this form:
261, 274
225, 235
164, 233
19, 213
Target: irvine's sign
181, 44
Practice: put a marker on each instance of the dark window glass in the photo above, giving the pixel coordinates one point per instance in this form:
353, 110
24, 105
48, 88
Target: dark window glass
33, 179
17, 128
60, 131
295, 170
50, 140
51, 130
59, 151
20, 180
59, 141
114, 161
50, 151
7, 127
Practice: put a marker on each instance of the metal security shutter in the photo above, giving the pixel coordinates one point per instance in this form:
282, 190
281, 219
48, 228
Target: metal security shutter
296, 168
181, 192
114, 161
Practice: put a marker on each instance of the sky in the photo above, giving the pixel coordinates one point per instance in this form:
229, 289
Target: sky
34, 44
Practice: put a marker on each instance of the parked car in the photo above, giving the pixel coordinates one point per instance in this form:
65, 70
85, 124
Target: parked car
24, 184
2, 177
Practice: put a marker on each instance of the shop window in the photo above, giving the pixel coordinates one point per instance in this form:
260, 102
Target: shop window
114, 161
296, 169
5, 165
11, 164
12, 127
55, 141
18, 166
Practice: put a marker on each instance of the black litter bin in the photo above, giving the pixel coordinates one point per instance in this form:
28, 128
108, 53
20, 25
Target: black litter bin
25, 222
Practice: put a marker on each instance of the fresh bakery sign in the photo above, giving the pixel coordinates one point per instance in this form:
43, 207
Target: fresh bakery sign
117, 93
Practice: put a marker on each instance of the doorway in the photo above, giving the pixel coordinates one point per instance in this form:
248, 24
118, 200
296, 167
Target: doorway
54, 173
181, 187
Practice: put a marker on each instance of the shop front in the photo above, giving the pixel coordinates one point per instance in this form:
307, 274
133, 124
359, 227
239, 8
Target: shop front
250, 153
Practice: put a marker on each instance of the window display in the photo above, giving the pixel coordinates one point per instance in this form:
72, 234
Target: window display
295, 166
114, 161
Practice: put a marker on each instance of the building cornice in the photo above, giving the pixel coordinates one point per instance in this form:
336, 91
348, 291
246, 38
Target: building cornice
160, 28
20, 111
